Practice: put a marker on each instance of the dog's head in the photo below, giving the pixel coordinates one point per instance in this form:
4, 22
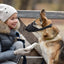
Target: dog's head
44, 26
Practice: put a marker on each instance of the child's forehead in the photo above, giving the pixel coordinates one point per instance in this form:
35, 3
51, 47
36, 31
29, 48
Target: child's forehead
14, 15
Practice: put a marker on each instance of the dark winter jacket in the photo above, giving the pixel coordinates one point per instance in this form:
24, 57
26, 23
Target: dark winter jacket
7, 39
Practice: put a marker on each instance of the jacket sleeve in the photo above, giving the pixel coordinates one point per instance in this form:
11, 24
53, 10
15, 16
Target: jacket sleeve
7, 55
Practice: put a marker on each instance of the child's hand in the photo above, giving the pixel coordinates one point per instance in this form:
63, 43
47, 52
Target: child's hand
25, 51
21, 51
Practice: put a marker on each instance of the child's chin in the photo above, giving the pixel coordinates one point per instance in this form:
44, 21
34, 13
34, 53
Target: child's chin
13, 27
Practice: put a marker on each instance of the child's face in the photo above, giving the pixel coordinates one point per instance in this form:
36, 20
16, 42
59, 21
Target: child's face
12, 21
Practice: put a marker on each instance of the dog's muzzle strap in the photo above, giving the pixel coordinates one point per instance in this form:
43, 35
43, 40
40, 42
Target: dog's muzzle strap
45, 27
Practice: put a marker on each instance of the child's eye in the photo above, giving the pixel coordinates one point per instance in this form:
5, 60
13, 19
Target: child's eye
14, 18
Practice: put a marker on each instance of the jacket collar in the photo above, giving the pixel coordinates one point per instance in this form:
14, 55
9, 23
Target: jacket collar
4, 28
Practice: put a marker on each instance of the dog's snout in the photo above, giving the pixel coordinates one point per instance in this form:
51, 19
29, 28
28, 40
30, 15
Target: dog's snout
27, 28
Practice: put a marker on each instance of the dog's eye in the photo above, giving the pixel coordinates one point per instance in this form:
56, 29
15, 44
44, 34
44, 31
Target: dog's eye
34, 23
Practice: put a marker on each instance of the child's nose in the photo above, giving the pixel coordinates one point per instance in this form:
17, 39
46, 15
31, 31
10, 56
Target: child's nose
16, 20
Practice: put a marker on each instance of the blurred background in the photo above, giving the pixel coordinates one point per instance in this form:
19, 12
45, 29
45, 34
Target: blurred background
49, 5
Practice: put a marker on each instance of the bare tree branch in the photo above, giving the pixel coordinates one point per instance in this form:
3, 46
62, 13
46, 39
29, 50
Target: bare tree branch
24, 4
8, 2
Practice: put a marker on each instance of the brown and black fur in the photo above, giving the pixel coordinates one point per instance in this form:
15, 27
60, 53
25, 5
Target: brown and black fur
50, 42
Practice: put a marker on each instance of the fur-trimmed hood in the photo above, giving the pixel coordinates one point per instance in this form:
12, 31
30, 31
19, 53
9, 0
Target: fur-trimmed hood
5, 29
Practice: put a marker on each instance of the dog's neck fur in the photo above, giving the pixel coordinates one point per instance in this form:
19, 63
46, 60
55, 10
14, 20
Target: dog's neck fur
54, 39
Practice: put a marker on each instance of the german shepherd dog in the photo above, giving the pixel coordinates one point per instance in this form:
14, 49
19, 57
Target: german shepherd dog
50, 42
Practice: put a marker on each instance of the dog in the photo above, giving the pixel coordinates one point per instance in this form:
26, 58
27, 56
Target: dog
50, 42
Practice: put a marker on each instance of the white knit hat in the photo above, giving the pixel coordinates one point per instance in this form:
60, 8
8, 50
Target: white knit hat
6, 11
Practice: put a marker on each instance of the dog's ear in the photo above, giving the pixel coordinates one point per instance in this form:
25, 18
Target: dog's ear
43, 12
43, 17
56, 30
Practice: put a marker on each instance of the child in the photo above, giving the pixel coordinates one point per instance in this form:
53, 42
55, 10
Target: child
9, 47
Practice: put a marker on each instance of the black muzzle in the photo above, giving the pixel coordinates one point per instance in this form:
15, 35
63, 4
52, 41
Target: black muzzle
32, 28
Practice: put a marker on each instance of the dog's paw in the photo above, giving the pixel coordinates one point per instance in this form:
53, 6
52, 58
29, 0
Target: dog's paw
31, 46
